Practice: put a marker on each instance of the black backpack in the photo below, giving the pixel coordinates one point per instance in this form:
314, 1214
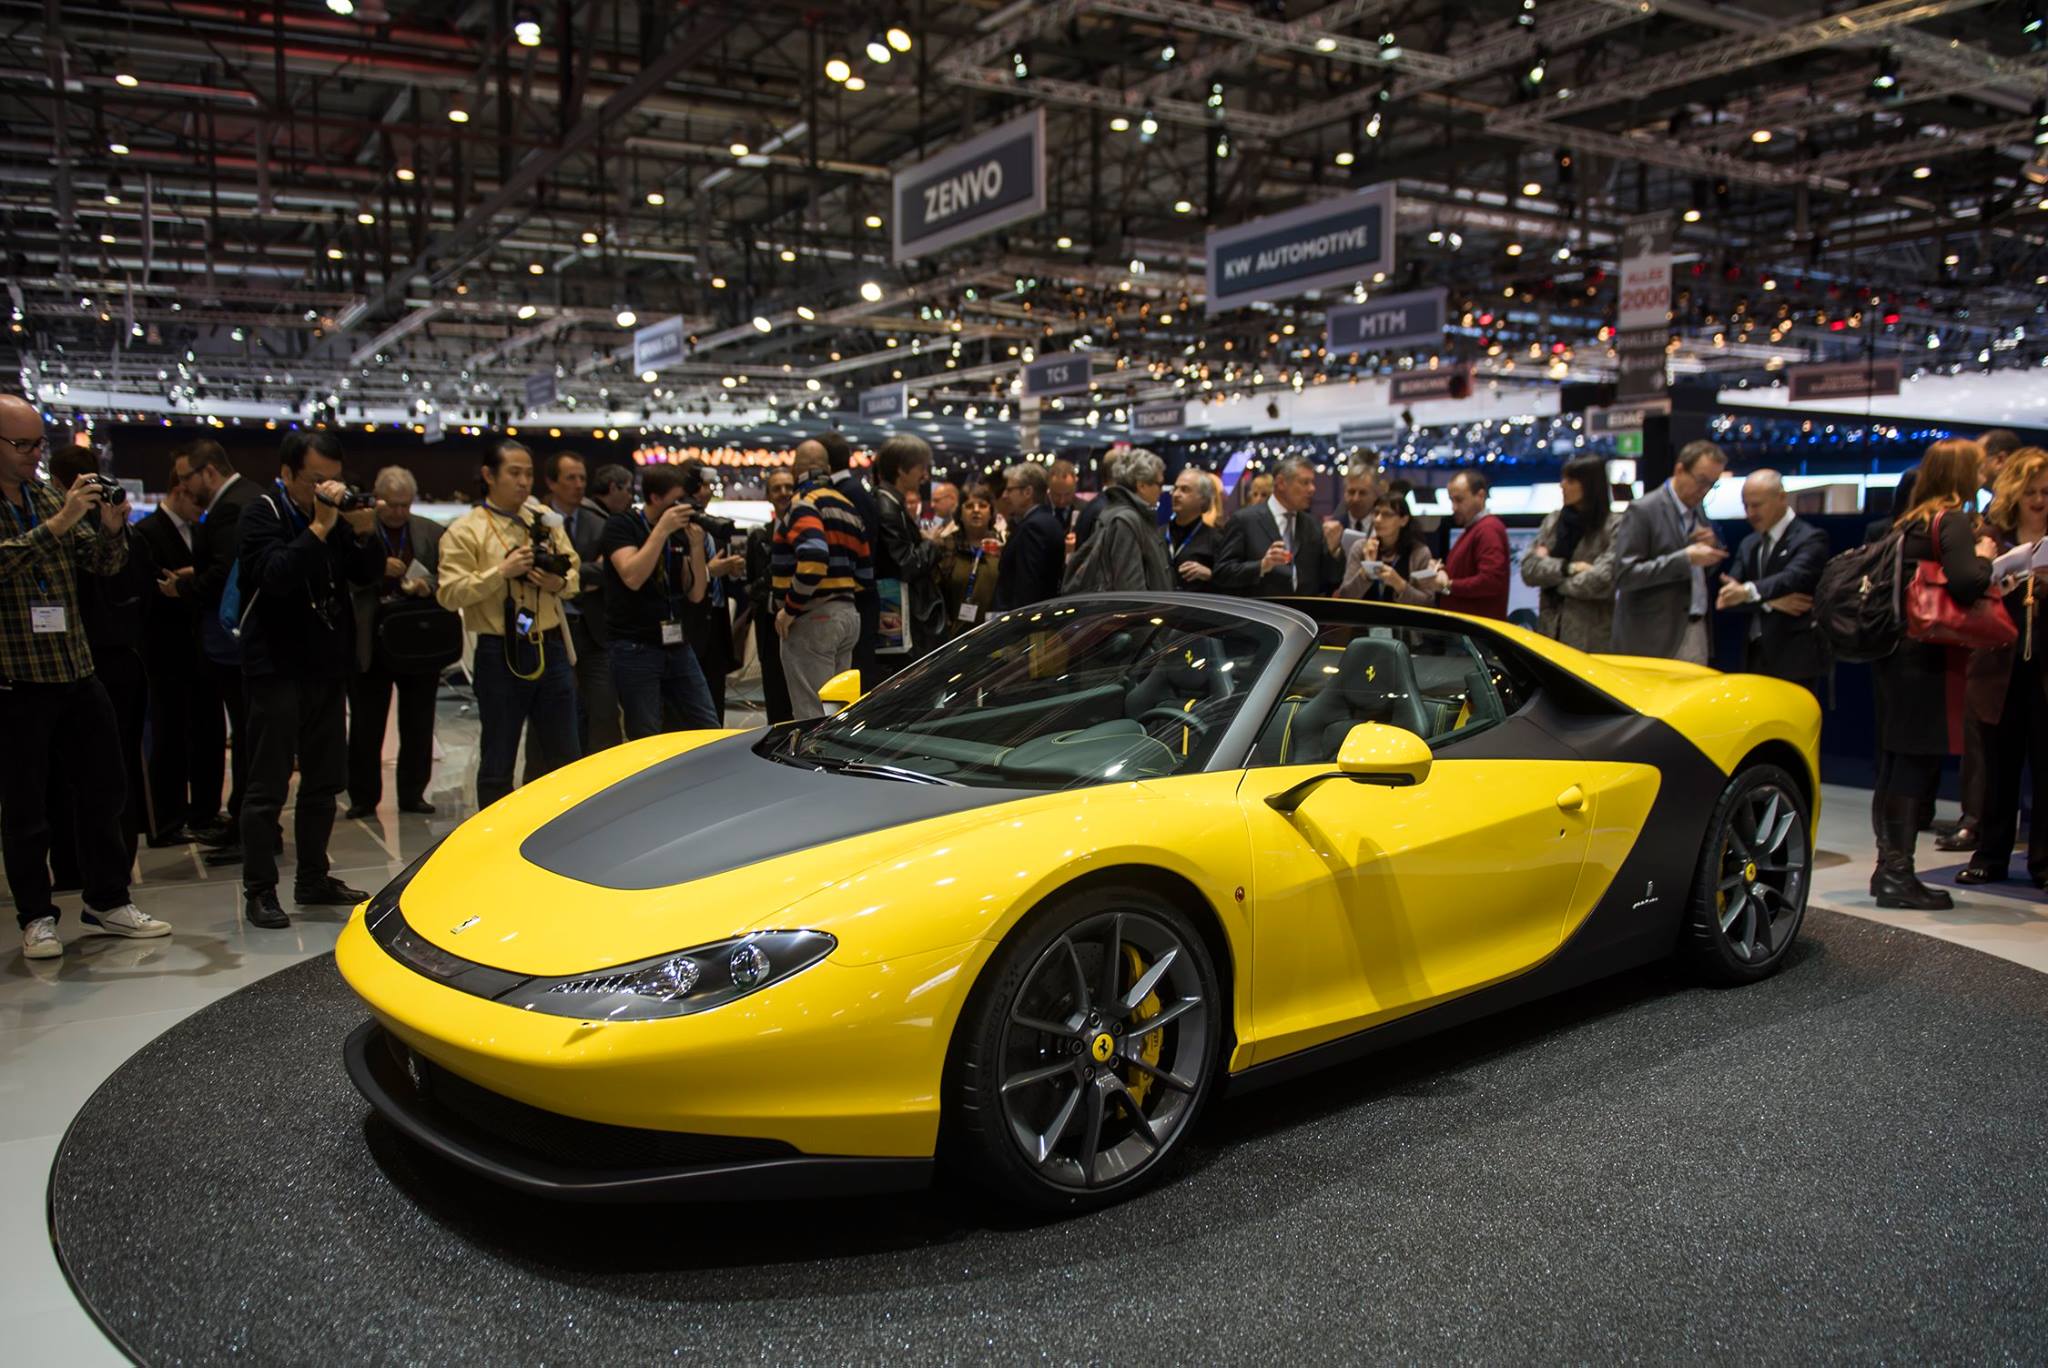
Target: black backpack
1857, 603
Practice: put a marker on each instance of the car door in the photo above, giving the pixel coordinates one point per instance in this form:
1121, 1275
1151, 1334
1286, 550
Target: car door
1369, 902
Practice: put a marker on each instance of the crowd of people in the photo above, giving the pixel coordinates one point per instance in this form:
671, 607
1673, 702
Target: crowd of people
245, 631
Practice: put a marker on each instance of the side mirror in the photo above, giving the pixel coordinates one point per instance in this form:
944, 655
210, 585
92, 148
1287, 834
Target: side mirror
1372, 753
842, 688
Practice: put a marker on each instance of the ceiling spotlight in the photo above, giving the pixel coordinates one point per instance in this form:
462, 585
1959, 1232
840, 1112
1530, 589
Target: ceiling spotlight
1119, 124
2030, 20
837, 68
119, 149
1345, 158
527, 32
1390, 50
656, 198
1922, 172
1063, 242
125, 81
1538, 69
406, 173
856, 84
366, 218
787, 254
626, 318
878, 49
739, 147
1148, 126
527, 311
535, 268
1761, 135
762, 324
1532, 189
334, 253
718, 282
1514, 249
590, 237
1372, 125
342, 7
813, 384
648, 377
898, 37
1326, 44
871, 292
1770, 283
458, 116
1222, 144
1019, 68
1181, 206
113, 191
107, 238
806, 313
873, 220
1692, 216
1951, 259
1887, 78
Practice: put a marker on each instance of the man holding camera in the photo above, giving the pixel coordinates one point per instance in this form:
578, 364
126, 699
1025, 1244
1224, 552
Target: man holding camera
52, 707
509, 588
655, 559
303, 545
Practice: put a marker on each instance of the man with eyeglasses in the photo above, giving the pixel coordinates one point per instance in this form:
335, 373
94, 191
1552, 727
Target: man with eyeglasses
1662, 552
53, 708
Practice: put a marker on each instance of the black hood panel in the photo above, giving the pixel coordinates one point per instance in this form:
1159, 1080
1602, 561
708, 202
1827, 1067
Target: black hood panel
720, 806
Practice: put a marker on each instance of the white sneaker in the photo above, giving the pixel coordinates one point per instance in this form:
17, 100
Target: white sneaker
128, 920
39, 940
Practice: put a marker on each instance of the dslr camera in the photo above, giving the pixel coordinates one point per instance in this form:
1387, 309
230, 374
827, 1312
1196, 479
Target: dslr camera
718, 532
546, 559
354, 501
111, 491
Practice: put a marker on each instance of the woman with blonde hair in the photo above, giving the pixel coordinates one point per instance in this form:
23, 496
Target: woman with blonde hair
1920, 685
2008, 688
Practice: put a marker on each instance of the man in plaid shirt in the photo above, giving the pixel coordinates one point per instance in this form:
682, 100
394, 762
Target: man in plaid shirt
52, 708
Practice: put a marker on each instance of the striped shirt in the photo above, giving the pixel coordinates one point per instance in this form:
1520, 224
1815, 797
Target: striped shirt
821, 549
39, 567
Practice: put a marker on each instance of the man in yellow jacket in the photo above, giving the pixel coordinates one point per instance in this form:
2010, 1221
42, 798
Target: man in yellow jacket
510, 594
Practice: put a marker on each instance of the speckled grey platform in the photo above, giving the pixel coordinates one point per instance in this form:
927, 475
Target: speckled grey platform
1850, 1160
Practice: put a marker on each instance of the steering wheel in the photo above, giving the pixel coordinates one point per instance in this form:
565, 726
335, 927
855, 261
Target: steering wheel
1166, 712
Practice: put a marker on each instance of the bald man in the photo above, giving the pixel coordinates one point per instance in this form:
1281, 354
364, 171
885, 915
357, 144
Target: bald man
53, 708
1776, 570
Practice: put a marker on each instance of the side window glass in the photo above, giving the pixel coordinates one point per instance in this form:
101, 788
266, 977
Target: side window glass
1431, 681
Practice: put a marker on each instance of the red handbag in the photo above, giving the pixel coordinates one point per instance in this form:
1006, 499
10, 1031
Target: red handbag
1933, 615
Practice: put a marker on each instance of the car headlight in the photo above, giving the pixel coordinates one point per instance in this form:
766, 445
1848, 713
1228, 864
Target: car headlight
677, 984
385, 901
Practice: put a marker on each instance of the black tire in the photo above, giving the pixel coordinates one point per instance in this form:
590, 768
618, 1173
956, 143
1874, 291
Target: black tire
1749, 890
1036, 1023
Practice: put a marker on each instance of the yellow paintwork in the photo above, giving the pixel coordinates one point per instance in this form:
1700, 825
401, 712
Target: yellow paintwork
1368, 903
1377, 750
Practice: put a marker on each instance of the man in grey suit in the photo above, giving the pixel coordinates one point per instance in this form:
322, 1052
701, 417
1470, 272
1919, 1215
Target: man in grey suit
412, 560
1662, 552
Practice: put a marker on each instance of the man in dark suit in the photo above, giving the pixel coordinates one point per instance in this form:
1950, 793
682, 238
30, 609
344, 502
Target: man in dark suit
1035, 553
1275, 549
224, 495
1777, 568
187, 728
412, 560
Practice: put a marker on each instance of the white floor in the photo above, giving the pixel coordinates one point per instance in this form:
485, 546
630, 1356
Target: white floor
65, 1025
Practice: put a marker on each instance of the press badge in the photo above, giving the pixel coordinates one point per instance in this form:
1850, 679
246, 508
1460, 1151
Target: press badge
671, 633
969, 611
46, 618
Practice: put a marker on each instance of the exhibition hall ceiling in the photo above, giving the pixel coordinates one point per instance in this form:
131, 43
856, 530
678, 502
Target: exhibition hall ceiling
464, 212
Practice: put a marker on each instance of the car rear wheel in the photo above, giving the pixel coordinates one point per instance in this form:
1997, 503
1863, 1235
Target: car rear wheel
1087, 1051
1749, 894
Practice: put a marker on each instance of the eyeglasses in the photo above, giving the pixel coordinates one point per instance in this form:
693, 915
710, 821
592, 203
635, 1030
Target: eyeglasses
27, 444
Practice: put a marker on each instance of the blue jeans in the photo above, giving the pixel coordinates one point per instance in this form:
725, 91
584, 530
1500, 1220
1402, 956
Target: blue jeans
506, 703
647, 677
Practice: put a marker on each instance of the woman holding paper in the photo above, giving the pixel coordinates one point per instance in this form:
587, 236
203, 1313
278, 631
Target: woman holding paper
1572, 562
2007, 691
1393, 564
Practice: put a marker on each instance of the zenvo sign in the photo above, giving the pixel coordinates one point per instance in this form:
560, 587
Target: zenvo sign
1333, 242
971, 188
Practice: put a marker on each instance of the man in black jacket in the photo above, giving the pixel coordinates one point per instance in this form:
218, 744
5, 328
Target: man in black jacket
299, 555
187, 729
904, 553
1777, 568
223, 494
1191, 544
1273, 549
781, 490
1035, 553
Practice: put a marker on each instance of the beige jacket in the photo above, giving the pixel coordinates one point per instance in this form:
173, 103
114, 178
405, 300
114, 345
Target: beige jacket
469, 580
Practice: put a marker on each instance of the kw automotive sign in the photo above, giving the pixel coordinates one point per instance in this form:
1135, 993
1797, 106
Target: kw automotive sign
1159, 417
1426, 385
657, 346
1844, 380
540, 390
972, 188
1402, 320
1334, 242
885, 404
1060, 373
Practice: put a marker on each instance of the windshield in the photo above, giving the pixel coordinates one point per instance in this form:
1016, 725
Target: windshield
1058, 696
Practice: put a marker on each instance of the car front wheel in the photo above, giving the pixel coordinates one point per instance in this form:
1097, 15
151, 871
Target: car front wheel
1749, 893
1087, 1052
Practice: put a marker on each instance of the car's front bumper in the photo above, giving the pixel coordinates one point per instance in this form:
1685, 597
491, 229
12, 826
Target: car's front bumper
552, 1155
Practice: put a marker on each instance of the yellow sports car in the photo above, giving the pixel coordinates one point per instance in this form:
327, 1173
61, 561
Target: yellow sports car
1025, 908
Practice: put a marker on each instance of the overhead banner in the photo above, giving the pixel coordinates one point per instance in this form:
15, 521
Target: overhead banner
885, 404
972, 188
1060, 373
1159, 417
1402, 320
657, 346
1421, 386
431, 430
540, 390
1369, 432
1646, 273
1334, 242
1620, 418
1642, 354
1843, 380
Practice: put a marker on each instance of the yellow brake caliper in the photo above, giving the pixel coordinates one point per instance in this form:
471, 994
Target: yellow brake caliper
1137, 1080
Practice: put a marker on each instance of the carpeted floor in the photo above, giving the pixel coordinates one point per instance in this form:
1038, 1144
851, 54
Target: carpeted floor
1848, 1161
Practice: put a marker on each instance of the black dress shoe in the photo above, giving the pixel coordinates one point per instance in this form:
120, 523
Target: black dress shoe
262, 909
222, 855
1977, 874
419, 805
170, 836
1964, 837
229, 833
357, 811
331, 892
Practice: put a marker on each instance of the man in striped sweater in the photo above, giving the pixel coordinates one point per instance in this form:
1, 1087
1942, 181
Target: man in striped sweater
821, 560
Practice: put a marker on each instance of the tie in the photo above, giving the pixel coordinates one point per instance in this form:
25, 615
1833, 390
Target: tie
1292, 536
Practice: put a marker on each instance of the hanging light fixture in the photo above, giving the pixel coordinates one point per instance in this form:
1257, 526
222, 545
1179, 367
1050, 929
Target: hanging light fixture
837, 68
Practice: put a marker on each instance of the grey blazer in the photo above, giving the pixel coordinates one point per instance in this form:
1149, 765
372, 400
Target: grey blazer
1652, 577
426, 549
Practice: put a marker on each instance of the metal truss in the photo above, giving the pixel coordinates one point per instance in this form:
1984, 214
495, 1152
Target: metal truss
1838, 166
1315, 39
1038, 18
1078, 95
1968, 65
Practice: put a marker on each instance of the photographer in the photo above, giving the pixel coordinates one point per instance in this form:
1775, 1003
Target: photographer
51, 704
412, 553
509, 591
303, 544
654, 557
707, 625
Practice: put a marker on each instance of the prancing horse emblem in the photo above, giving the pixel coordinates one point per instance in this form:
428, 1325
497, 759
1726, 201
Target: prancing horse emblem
461, 927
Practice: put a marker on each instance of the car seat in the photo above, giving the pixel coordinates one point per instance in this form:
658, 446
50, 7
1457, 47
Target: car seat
1191, 677
1375, 682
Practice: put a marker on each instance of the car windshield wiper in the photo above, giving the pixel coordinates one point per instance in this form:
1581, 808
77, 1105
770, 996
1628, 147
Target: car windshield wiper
866, 768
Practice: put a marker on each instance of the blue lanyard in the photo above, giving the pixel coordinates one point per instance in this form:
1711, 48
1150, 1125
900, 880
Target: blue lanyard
1173, 552
974, 570
297, 521
404, 541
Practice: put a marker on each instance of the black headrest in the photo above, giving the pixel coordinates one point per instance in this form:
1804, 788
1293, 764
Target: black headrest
1372, 668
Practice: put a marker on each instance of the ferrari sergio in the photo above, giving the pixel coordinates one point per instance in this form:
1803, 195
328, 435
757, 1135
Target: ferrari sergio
1026, 908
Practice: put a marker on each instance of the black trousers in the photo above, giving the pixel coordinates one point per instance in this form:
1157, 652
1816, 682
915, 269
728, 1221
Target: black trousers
599, 723
119, 671
2017, 740
227, 681
369, 706
292, 719
72, 726
187, 750
774, 683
